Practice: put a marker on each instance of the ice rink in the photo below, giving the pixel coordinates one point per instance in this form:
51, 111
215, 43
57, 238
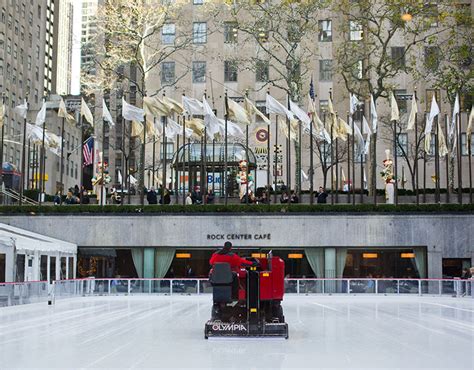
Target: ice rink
167, 332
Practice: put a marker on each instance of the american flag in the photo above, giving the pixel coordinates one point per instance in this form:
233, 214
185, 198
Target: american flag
88, 151
311, 89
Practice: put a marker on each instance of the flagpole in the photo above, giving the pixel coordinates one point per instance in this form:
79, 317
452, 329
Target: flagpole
349, 164
437, 195
311, 163
61, 176
184, 160
153, 183
459, 126
3, 142
275, 160
416, 184
288, 151
224, 182
213, 165
424, 167
469, 152
43, 162
20, 201
122, 183
81, 182
353, 163
141, 183
298, 170
164, 182
27, 182
332, 162
395, 160
448, 195
362, 157
176, 177
248, 163
337, 165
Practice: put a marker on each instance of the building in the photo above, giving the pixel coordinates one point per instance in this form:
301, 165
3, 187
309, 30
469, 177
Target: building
35, 59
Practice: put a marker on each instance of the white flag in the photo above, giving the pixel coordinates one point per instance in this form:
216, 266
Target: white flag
274, 106
373, 113
34, 133
86, 112
22, 109
442, 147
359, 141
233, 129
119, 176
434, 111
210, 120
367, 131
173, 129
238, 113
305, 176
3, 111
300, 114
469, 129
413, 112
62, 112
252, 111
354, 103
456, 110
395, 115
132, 113
106, 116
193, 106
41, 116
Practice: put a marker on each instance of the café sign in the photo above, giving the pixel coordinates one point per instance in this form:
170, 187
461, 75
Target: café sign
239, 236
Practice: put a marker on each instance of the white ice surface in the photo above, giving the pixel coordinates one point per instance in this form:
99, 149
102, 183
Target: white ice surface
167, 332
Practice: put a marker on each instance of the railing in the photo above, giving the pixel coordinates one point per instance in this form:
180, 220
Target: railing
22, 293
16, 196
438, 287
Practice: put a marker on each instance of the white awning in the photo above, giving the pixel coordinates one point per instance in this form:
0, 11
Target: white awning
26, 241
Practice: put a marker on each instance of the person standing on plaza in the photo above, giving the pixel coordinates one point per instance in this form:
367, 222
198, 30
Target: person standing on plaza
151, 196
321, 196
189, 199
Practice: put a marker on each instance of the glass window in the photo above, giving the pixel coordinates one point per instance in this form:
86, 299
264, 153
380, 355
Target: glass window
169, 151
464, 150
325, 70
400, 97
3, 267
167, 72
262, 107
355, 29
52, 268
398, 56
44, 268
432, 57
168, 33
325, 30
230, 71
198, 2
199, 71
20, 267
262, 71
199, 32
402, 147
230, 32
262, 32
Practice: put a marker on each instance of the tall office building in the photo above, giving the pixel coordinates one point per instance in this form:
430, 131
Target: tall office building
30, 61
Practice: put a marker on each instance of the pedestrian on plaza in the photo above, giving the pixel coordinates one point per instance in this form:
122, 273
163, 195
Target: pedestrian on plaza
85, 197
465, 273
196, 195
321, 195
284, 197
210, 197
76, 192
151, 196
57, 199
294, 198
70, 198
189, 199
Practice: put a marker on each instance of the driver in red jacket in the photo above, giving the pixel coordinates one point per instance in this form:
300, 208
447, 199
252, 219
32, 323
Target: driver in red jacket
226, 255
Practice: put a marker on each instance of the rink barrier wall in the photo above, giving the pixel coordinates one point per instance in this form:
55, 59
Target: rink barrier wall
41, 291
360, 286
12, 294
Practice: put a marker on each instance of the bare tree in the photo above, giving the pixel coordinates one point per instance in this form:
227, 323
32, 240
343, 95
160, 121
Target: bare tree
366, 61
282, 35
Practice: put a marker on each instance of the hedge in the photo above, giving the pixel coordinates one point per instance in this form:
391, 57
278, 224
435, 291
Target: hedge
237, 208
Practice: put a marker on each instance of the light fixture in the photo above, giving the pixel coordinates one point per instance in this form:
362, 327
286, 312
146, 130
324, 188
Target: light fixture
407, 255
369, 255
183, 255
406, 17
259, 255
295, 255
